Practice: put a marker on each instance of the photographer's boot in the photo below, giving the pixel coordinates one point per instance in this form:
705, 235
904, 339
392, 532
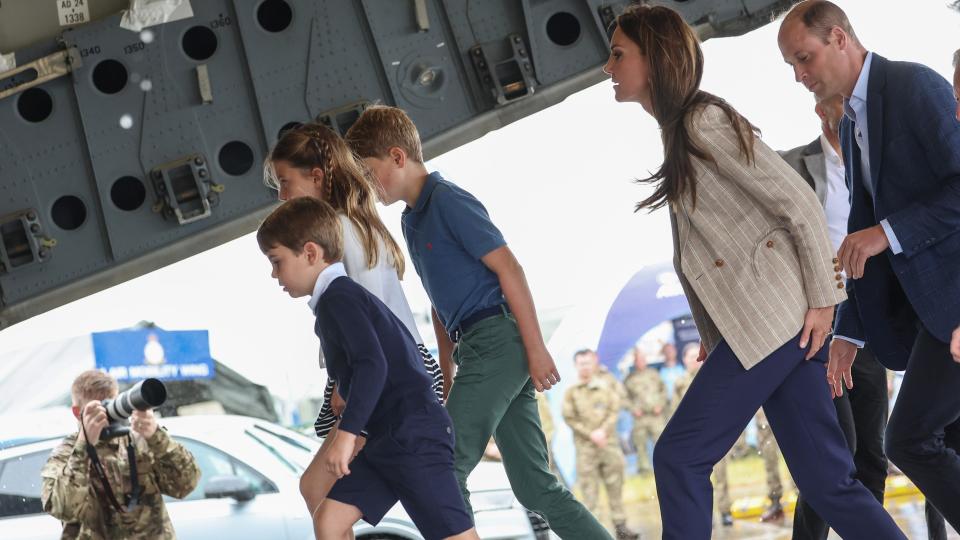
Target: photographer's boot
623, 533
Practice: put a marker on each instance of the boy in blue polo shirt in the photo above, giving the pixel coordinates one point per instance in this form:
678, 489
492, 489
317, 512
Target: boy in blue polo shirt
484, 318
379, 371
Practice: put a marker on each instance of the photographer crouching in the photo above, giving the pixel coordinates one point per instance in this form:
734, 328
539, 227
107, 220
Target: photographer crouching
112, 487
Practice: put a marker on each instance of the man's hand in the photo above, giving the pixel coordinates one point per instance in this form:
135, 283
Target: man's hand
860, 246
543, 372
336, 461
599, 437
337, 404
955, 342
143, 423
94, 418
839, 368
816, 326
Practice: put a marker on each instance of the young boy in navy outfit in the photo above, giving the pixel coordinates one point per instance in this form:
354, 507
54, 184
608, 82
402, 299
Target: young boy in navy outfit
481, 304
379, 372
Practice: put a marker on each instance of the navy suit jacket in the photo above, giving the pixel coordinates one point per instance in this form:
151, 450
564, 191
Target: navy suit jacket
915, 173
372, 356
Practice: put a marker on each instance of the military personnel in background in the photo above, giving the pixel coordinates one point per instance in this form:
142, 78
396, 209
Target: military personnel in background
590, 408
72, 493
770, 453
647, 400
670, 371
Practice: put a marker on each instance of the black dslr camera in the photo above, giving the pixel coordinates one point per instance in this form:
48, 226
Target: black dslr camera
143, 396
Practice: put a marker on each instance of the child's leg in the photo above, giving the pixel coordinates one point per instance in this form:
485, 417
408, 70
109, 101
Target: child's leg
524, 450
362, 494
416, 460
334, 520
493, 388
481, 393
315, 483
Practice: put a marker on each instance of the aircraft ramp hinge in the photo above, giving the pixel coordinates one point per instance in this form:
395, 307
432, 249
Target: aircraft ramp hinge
341, 118
185, 190
507, 79
22, 241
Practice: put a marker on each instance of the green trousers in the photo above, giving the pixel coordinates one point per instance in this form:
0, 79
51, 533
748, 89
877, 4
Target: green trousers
492, 395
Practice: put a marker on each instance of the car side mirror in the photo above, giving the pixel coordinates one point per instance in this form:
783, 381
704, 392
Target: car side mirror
230, 486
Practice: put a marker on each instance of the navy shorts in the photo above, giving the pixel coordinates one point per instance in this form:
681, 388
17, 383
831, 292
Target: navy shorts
410, 461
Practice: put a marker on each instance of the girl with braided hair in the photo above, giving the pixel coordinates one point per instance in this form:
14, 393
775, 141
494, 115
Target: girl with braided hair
313, 161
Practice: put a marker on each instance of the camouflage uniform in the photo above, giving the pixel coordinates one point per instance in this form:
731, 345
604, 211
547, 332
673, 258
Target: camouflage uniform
588, 407
721, 485
646, 393
546, 418
164, 467
771, 458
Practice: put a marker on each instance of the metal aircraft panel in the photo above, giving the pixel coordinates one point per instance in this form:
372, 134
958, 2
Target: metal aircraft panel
124, 151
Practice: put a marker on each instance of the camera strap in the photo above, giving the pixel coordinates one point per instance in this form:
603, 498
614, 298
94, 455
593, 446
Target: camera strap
135, 488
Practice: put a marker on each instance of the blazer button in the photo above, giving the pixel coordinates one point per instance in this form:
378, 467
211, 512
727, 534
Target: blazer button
839, 285
769, 243
836, 268
839, 277
718, 262
836, 260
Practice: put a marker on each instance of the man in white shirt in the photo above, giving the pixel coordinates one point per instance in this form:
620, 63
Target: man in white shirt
862, 411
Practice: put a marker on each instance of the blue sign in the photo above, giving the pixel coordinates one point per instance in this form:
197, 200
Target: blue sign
134, 355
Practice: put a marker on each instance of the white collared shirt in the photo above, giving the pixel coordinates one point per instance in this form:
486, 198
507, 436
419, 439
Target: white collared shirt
836, 202
324, 280
855, 108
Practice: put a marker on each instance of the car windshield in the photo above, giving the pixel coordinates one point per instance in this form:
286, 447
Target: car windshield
293, 449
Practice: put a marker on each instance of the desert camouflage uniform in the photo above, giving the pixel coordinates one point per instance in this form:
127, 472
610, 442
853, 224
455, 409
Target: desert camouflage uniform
164, 467
588, 407
646, 394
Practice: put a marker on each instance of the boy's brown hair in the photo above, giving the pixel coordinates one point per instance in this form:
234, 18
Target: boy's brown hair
302, 220
93, 384
381, 128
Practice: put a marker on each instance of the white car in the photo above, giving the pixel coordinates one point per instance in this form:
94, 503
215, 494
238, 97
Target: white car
249, 489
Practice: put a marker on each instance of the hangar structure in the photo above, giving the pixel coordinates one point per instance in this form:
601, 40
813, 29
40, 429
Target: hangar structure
132, 133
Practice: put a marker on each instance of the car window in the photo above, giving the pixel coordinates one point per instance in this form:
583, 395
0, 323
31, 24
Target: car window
294, 452
20, 484
213, 462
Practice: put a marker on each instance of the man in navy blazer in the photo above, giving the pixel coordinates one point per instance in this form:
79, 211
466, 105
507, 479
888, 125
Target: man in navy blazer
901, 150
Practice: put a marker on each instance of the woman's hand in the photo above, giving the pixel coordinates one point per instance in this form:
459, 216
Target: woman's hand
816, 327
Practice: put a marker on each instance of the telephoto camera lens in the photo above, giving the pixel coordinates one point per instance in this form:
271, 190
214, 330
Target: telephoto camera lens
145, 395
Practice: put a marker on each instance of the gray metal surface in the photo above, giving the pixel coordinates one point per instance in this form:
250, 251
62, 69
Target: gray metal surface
149, 149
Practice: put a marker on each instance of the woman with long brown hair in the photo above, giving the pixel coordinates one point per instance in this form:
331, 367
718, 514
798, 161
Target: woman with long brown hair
754, 259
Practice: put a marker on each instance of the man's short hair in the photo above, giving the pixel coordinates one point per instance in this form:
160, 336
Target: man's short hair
582, 352
956, 59
381, 128
93, 384
820, 17
302, 220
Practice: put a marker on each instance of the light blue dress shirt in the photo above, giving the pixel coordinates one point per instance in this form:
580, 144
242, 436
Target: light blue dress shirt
856, 109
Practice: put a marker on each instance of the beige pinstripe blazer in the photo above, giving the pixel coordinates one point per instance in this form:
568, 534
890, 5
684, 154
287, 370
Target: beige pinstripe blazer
754, 255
